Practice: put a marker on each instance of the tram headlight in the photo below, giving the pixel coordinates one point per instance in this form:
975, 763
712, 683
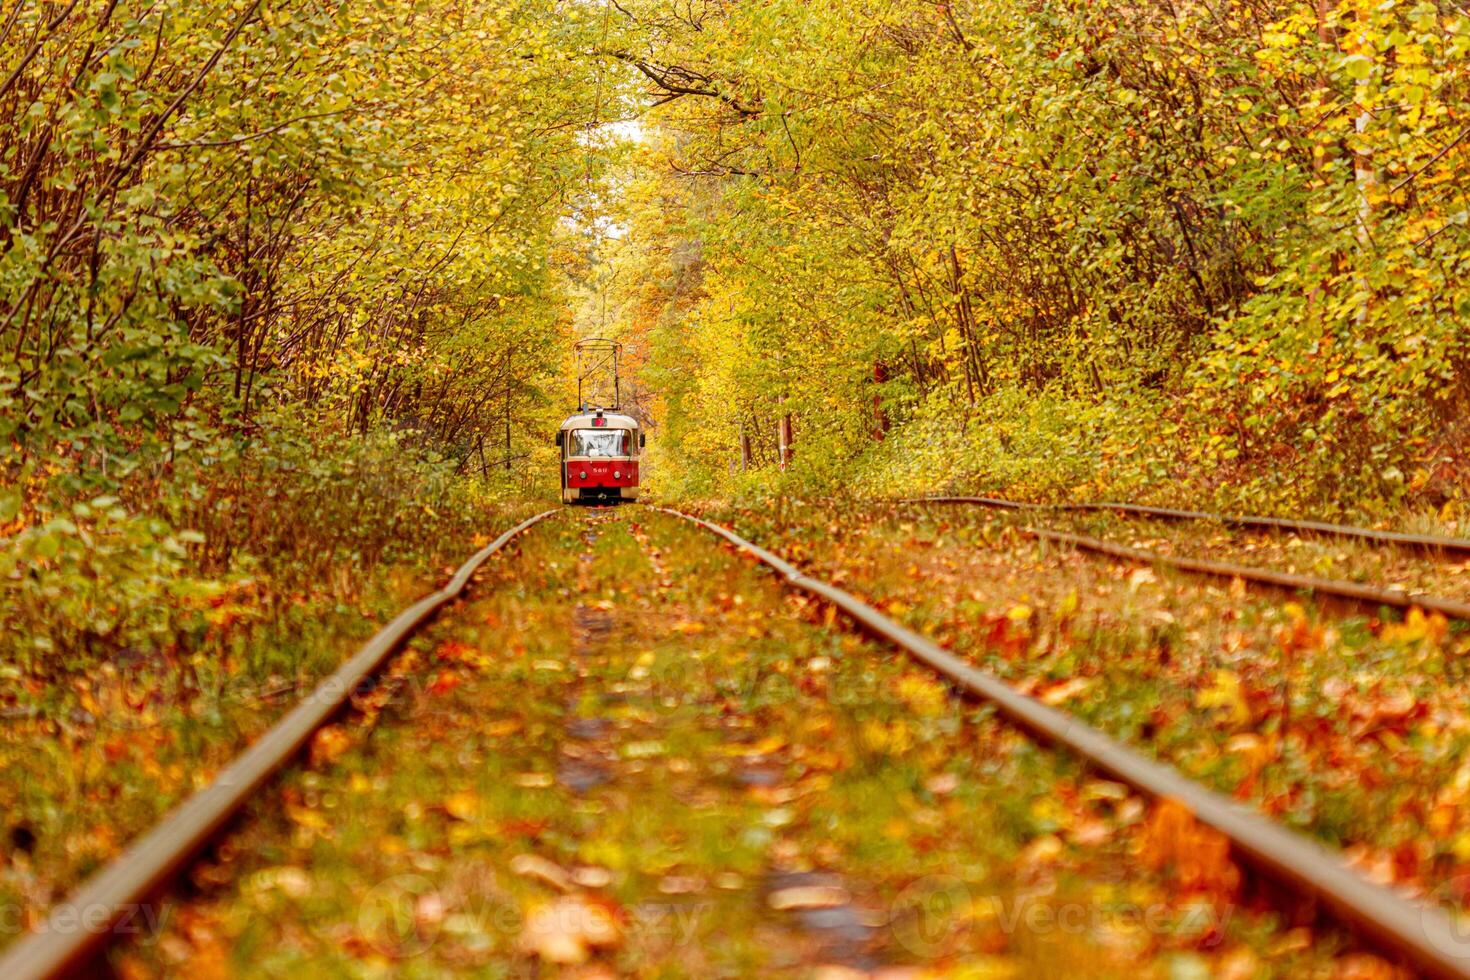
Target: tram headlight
582, 475
617, 474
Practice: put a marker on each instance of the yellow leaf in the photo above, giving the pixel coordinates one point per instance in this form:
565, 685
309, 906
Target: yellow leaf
923, 695
1225, 693
1416, 627
1066, 690
462, 805
768, 745
328, 744
304, 816
1043, 850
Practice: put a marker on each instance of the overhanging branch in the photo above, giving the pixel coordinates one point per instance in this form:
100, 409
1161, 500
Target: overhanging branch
676, 81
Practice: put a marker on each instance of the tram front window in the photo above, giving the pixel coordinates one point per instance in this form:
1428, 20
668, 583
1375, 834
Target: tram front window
596, 443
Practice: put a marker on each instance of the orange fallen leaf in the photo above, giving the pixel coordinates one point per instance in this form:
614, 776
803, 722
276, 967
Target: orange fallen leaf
1198, 855
447, 680
506, 726
567, 930
767, 745
327, 745
463, 805
455, 652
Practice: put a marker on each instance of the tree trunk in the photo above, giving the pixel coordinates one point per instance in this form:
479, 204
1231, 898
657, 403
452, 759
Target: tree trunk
784, 440
880, 416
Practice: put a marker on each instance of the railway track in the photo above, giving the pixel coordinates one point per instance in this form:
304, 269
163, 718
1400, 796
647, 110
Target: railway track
1352, 592
1418, 935
1436, 544
1424, 938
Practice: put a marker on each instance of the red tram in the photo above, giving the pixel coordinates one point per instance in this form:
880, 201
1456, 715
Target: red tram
599, 457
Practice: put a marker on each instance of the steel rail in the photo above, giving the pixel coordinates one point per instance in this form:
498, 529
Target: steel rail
1367, 594
1424, 936
1421, 542
79, 926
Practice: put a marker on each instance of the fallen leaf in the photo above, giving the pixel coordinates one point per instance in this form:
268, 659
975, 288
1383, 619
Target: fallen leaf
429, 909
809, 897
942, 784
463, 805
1198, 855
453, 651
567, 930
446, 680
592, 877
535, 866
1225, 693
1043, 850
1066, 690
502, 728
306, 817
680, 885
327, 745
1256, 751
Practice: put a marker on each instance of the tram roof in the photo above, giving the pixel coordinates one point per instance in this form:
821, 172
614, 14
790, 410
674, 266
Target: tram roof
611, 420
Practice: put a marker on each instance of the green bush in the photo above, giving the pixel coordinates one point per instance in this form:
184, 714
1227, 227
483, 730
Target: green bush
84, 587
292, 514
